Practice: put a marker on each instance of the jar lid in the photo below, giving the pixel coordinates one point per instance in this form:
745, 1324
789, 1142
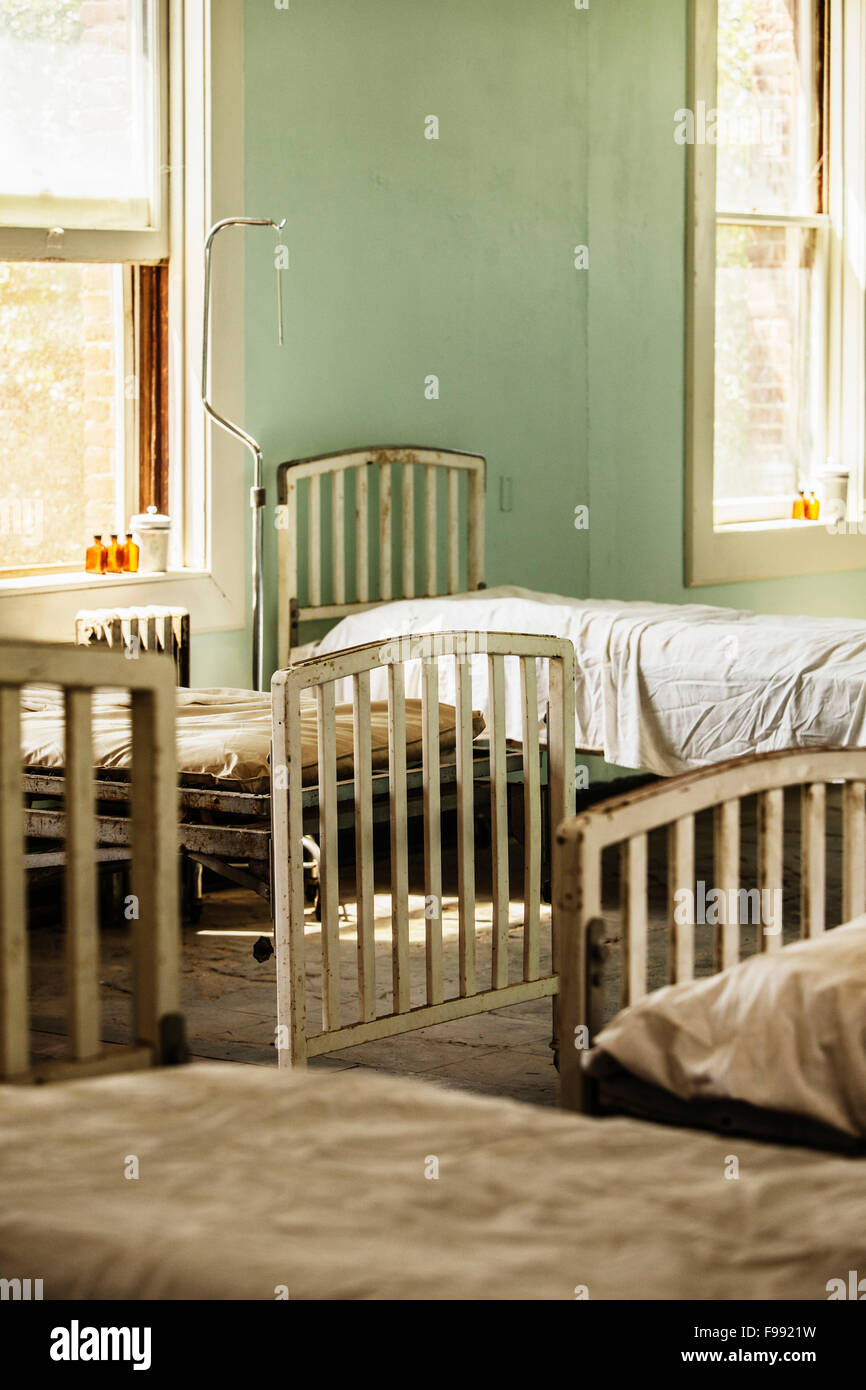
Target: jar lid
151, 520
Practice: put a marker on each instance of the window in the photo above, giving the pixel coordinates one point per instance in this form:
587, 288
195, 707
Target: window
776, 130
184, 64
771, 257
83, 277
80, 114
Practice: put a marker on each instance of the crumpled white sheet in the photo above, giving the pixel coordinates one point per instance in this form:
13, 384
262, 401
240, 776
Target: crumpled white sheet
662, 687
783, 1030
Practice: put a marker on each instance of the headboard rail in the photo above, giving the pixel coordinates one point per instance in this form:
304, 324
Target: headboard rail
443, 523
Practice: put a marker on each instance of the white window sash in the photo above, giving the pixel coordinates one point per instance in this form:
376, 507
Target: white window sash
727, 554
100, 229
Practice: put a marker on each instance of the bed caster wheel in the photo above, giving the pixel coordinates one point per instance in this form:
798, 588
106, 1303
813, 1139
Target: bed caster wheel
263, 950
556, 1058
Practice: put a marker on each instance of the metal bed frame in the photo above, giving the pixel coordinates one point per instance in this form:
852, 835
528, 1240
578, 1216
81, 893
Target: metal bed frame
359, 481
296, 1041
625, 822
156, 1024
266, 832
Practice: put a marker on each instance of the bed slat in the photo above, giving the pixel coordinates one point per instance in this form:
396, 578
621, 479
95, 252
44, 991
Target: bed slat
399, 846
289, 560
328, 867
289, 899
771, 830
431, 529
465, 823
475, 537
314, 529
531, 821
853, 850
156, 942
681, 878
560, 800
633, 871
385, 539
363, 764
432, 828
338, 535
14, 1020
727, 875
82, 944
362, 548
813, 858
408, 555
453, 530
498, 820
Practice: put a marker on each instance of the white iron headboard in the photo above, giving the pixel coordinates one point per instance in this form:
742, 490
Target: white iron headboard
368, 475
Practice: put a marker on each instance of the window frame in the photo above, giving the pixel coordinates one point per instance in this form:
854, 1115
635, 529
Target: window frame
207, 571
776, 548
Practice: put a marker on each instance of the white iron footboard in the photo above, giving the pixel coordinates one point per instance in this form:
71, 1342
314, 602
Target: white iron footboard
479, 785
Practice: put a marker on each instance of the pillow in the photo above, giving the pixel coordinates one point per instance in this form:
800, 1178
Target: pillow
784, 1031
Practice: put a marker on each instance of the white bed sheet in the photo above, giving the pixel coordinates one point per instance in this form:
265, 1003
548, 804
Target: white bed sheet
662, 687
249, 1180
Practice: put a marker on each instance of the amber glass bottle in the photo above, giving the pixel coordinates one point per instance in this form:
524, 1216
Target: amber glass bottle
813, 507
130, 557
97, 557
799, 512
114, 563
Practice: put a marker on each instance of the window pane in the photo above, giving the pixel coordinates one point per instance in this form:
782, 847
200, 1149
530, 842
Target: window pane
767, 134
61, 410
78, 103
769, 331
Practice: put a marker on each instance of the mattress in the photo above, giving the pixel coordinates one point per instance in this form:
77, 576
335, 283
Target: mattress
223, 736
661, 687
359, 1186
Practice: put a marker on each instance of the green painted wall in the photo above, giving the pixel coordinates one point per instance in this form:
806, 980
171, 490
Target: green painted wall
455, 257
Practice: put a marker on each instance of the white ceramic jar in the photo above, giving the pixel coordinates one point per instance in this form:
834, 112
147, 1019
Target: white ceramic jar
835, 487
151, 531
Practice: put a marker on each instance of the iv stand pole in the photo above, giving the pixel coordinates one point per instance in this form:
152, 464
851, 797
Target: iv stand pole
257, 491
